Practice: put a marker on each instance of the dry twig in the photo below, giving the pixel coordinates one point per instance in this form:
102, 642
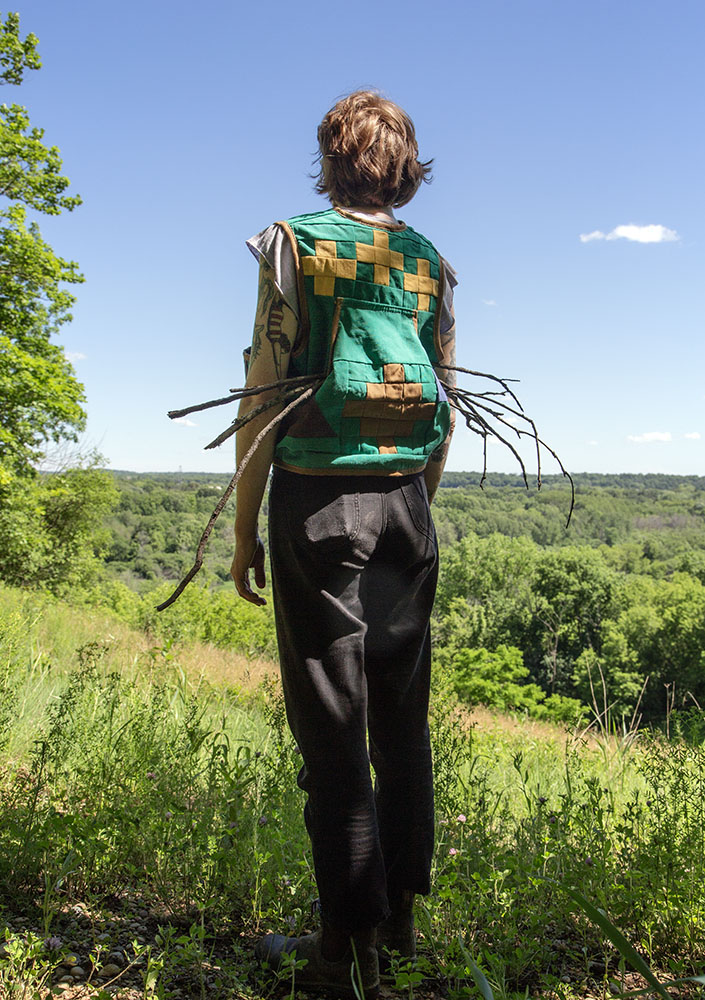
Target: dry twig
228, 493
482, 411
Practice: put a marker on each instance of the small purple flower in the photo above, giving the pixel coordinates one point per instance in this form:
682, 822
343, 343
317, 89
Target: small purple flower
168, 814
151, 775
232, 824
52, 943
262, 821
552, 819
542, 800
453, 851
589, 862
462, 818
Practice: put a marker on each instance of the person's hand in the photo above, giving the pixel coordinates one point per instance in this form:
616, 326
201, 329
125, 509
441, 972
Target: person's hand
249, 555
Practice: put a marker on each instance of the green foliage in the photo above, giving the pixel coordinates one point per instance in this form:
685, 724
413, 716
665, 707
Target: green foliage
156, 526
498, 680
616, 599
16, 54
41, 398
199, 812
52, 529
50, 526
220, 617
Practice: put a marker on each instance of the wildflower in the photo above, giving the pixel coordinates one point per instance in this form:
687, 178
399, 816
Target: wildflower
589, 862
52, 943
453, 851
542, 800
552, 819
151, 775
462, 819
232, 824
168, 814
262, 821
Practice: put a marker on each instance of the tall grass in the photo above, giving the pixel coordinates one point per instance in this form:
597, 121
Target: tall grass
123, 772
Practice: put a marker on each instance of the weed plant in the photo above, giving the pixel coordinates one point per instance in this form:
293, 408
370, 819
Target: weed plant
129, 779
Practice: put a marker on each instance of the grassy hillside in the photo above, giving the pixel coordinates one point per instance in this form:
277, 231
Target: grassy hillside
150, 826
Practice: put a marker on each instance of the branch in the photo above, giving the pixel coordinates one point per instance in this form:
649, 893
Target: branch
240, 394
469, 404
493, 378
487, 430
262, 408
228, 493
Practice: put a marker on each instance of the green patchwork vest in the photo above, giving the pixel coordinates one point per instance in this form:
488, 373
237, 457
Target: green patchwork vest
369, 299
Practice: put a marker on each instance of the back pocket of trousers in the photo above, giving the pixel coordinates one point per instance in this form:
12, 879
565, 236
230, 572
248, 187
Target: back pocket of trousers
334, 526
419, 511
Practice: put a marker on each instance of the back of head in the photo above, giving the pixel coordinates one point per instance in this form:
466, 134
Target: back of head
369, 153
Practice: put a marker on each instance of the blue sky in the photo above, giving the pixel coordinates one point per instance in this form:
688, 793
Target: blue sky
187, 129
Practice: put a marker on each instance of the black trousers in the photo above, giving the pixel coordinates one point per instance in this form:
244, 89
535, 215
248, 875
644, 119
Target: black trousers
354, 570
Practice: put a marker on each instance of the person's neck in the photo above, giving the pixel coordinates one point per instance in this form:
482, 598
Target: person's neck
385, 214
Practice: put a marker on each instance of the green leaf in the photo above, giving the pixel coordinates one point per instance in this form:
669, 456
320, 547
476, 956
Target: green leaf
626, 950
477, 973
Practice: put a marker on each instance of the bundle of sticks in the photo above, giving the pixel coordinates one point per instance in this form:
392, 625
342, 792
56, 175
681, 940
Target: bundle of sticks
494, 413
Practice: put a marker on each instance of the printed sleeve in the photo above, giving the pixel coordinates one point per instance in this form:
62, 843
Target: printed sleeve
273, 245
447, 317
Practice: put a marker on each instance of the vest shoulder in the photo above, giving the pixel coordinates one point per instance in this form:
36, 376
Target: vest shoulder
312, 218
421, 240
340, 226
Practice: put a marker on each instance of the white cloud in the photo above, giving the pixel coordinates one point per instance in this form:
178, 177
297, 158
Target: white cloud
489, 302
692, 436
635, 234
184, 421
593, 444
650, 436
75, 356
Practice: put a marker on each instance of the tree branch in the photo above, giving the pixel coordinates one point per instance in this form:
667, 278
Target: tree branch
200, 551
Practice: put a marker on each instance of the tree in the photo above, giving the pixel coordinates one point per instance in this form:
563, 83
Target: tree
40, 397
49, 525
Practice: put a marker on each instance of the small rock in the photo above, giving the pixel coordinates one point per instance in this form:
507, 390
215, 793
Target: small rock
117, 958
78, 972
3, 949
104, 936
66, 979
109, 971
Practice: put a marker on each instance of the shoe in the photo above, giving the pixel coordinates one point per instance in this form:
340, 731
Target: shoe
336, 977
396, 934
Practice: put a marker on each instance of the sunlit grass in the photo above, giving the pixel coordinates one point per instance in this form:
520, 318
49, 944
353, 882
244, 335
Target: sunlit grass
165, 771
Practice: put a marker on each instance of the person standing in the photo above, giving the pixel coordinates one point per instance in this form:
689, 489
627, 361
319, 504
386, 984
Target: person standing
361, 300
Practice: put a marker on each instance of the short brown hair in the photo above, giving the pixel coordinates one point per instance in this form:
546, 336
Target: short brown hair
368, 153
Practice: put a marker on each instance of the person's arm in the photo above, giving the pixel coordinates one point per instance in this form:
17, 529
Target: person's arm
274, 335
437, 459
